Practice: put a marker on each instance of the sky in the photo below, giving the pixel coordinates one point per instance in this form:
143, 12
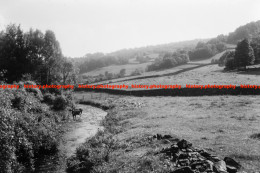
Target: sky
88, 26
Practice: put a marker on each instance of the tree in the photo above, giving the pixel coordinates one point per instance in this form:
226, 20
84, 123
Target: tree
244, 54
228, 54
122, 72
230, 65
14, 62
34, 40
66, 69
52, 54
255, 43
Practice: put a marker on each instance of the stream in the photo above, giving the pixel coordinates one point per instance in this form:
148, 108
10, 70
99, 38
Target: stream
78, 131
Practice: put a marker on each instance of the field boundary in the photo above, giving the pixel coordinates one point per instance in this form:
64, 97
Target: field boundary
176, 92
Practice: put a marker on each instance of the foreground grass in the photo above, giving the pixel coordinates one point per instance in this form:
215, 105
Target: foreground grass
225, 126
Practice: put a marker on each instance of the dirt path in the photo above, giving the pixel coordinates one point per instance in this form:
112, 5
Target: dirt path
76, 133
85, 126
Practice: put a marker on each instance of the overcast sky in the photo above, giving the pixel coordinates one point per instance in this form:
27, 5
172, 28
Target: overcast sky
87, 26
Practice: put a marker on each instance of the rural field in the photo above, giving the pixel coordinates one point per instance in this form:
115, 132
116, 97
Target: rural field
226, 126
121, 86
223, 125
209, 74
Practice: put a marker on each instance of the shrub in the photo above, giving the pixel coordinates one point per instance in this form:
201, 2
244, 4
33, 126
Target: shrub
55, 91
95, 152
25, 133
36, 91
222, 60
137, 72
201, 53
230, 64
60, 103
48, 98
169, 60
214, 61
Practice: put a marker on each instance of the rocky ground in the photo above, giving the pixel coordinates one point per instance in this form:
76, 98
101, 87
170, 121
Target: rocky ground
187, 159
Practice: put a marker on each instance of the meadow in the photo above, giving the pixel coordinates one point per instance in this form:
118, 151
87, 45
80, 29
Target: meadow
222, 125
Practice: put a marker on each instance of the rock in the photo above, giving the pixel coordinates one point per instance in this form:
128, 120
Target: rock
186, 169
159, 136
183, 156
167, 137
220, 167
210, 165
214, 158
204, 154
183, 144
231, 169
231, 162
184, 162
188, 159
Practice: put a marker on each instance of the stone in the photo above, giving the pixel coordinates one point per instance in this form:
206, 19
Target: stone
204, 154
167, 137
231, 162
231, 169
183, 156
183, 144
220, 167
184, 162
186, 169
159, 136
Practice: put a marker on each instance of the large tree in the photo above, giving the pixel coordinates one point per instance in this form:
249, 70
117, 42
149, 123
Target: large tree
52, 55
244, 54
33, 53
66, 69
255, 43
13, 53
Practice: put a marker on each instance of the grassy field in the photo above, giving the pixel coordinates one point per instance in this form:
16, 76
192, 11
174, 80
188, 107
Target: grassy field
153, 74
210, 74
208, 61
182, 72
224, 126
115, 69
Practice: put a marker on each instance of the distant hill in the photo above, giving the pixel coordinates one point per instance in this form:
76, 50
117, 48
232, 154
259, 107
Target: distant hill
157, 49
198, 49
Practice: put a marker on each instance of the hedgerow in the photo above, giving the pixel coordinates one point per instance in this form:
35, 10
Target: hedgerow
28, 129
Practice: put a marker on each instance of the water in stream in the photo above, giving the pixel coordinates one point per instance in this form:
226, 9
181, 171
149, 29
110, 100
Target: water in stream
84, 127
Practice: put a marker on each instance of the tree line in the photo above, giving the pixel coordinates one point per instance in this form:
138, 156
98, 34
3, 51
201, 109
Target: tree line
169, 60
246, 53
33, 55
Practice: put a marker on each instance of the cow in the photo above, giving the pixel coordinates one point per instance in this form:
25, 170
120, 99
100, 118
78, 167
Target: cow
76, 112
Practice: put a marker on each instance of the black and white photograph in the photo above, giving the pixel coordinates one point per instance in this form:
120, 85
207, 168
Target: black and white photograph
129, 86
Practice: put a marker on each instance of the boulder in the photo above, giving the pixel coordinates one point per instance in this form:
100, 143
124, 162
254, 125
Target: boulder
186, 169
183, 144
232, 163
220, 167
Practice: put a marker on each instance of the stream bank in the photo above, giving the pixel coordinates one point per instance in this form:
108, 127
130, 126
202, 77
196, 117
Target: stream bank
76, 133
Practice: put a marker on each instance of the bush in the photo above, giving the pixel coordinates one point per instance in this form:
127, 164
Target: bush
48, 98
222, 60
36, 91
60, 103
25, 132
95, 152
55, 91
169, 60
230, 64
137, 72
201, 53
214, 61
